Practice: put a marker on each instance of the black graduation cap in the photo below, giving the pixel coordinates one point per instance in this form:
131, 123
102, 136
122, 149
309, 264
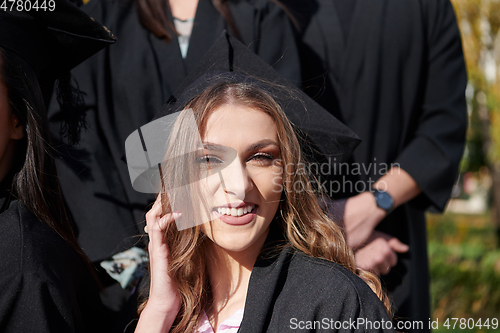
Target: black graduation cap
52, 36
228, 55
228, 59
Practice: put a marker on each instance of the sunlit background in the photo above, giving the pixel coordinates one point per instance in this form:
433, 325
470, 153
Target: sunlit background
464, 243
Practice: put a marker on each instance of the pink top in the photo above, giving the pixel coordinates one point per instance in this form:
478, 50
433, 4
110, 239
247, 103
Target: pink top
230, 325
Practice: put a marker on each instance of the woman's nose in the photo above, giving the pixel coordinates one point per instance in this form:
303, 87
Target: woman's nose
235, 179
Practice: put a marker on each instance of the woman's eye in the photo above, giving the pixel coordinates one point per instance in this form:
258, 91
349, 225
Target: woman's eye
208, 160
263, 158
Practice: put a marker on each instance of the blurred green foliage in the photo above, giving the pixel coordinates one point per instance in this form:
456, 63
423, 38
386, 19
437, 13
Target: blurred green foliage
464, 266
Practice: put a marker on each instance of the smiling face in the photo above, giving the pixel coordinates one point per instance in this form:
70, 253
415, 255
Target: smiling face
245, 195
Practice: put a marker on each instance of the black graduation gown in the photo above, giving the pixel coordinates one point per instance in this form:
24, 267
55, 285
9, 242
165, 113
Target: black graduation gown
124, 86
292, 292
398, 81
45, 286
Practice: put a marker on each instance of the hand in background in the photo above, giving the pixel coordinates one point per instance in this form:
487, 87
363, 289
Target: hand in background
361, 216
379, 255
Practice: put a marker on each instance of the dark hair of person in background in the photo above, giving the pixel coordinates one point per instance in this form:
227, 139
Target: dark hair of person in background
34, 176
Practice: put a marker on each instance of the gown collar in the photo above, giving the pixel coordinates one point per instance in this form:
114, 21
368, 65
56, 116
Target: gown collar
267, 274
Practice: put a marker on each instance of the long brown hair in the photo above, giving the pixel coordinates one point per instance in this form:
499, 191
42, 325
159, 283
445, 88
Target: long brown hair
306, 227
35, 182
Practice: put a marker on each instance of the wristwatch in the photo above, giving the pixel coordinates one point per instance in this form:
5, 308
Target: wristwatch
384, 200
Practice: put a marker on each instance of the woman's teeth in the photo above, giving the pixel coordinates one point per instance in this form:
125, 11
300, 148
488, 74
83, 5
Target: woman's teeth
236, 211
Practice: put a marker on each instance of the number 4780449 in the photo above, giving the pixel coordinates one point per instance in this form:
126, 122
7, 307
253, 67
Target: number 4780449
27, 5
463, 323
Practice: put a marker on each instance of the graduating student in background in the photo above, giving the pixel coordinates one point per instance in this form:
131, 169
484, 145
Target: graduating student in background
250, 249
125, 85
394, 72
47, 283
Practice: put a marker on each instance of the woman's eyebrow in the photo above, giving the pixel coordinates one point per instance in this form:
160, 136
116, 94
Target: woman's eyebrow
257, 145
262, 144
214, 147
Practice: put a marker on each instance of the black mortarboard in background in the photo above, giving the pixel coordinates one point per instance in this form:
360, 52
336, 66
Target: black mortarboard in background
51, 41
326, 139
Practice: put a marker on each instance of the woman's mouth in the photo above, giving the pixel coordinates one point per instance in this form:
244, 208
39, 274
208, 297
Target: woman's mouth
236, 216
235, 211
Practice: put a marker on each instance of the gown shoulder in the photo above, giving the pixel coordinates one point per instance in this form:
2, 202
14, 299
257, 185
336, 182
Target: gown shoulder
45, 285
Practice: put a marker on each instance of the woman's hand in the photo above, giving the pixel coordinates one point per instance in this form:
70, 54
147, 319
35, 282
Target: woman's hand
164, 300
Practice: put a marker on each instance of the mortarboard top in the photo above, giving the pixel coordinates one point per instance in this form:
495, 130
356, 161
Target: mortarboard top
229, 60
228, 57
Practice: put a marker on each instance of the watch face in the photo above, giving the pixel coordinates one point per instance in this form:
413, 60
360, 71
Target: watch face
384, 200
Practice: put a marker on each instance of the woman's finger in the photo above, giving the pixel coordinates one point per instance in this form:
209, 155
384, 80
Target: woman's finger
168, 218
153, 216
156, 209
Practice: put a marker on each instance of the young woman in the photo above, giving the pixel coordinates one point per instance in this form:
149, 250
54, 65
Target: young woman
268, 259
47, 282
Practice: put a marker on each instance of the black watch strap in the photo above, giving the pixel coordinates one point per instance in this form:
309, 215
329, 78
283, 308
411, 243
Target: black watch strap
384, 200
